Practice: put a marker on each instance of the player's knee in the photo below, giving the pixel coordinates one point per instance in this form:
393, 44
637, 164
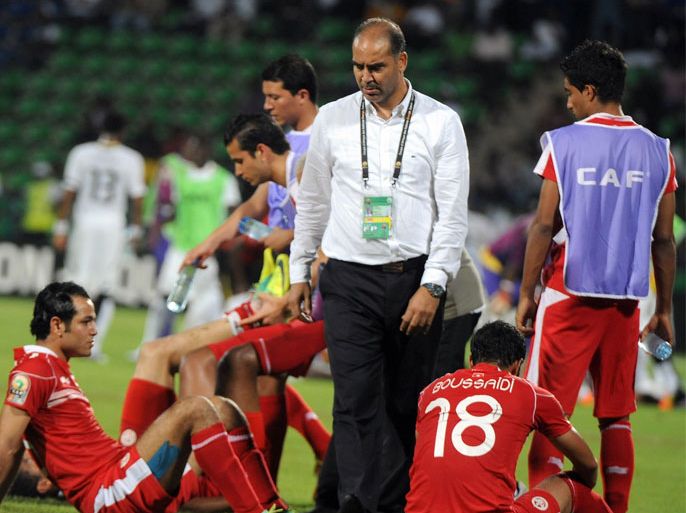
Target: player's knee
605, 422
229, 412
241, 359
200, 361
153, 352
196, 408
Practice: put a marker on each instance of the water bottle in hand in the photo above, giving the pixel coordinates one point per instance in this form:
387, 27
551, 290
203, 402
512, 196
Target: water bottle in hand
655, 346
178, 299
253, 228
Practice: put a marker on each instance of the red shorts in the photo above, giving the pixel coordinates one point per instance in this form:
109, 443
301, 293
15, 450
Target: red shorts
536, 501
126, 486
573, 335
281, 348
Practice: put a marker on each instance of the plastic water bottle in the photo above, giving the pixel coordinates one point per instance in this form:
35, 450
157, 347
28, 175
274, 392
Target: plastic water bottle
178, 299
253, 228
654, 345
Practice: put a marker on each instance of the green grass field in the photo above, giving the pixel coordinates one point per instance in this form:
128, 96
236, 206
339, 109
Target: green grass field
660, 437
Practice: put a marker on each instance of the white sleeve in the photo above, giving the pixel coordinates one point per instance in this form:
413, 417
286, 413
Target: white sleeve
73, 172
451, 191
313, 203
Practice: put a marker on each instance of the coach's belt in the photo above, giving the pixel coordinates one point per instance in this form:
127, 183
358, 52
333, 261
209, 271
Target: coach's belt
396, 267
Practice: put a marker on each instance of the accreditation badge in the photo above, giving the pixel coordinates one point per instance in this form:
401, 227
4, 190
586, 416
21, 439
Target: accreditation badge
377, 220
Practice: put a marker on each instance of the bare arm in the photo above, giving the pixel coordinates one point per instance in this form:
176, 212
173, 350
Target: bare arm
59, 239
664, 264
537, 247
256, 207
13, 423
579, 453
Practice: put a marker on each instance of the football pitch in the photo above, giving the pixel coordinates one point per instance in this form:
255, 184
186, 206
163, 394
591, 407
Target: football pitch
659, 436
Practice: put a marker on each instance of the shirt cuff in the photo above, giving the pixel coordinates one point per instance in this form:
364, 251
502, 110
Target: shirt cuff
300, 274
433, 276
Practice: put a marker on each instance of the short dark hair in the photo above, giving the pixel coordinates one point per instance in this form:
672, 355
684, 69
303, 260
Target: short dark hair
55, 300
113, 123
295, 72
498, 342
598, 64
253, 129
393, 31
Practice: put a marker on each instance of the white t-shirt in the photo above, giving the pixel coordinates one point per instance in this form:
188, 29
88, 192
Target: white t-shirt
104, 174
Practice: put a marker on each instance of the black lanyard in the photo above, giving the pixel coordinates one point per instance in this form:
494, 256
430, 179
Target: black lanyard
401, 144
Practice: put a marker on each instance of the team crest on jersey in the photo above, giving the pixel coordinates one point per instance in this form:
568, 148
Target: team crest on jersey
539, 503
19, 389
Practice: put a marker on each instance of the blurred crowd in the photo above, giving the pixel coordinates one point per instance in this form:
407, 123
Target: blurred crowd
494, 61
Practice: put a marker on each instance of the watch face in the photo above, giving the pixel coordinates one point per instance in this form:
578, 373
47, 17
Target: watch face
434, 290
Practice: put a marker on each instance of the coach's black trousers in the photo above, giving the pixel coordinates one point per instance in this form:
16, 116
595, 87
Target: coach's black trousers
375, 367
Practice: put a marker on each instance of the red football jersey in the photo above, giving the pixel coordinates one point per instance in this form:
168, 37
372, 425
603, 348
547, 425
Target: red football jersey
471, 426
64, 434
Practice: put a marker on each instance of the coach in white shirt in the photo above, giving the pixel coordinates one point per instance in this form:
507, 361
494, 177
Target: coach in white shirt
393, 221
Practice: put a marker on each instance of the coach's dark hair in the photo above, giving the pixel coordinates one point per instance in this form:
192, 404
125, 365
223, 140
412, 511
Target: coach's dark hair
598, 64
393, 30
252, 129
295, 72
498, 342
55, 300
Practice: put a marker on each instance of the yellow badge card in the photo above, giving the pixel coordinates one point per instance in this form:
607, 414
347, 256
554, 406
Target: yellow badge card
377, 220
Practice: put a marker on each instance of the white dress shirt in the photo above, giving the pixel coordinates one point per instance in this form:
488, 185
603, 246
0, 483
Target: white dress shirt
429, 199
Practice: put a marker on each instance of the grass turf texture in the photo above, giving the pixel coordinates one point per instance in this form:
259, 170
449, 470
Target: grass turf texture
660, 437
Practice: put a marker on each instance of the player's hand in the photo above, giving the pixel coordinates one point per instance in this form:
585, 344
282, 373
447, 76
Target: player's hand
199, 254
525, 316
59, 242
272, 310
420, 312
300, 293
278, 239
661, 325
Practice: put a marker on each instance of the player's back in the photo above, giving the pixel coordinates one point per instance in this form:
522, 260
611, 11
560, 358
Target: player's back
471, 427
104, 174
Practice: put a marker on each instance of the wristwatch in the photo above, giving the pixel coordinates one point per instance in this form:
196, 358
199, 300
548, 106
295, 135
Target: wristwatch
434, 289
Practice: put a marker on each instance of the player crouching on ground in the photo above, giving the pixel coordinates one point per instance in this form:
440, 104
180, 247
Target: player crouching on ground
471, 427
46, 406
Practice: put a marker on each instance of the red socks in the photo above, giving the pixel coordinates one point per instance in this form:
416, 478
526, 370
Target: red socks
544, 460
305, 421
256, 423
254, 464
218, 461
585, 500
143, 403
275, 424
617, 464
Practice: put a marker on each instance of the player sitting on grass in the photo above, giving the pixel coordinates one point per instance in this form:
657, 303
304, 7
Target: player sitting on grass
471, 427
46, 407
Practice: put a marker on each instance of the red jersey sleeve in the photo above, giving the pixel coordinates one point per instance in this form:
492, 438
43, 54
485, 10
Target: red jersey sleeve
545, 167
30, 385
549, 419
672, 184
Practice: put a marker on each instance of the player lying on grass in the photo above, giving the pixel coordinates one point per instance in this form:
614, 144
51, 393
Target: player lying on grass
471, 427
46, 407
